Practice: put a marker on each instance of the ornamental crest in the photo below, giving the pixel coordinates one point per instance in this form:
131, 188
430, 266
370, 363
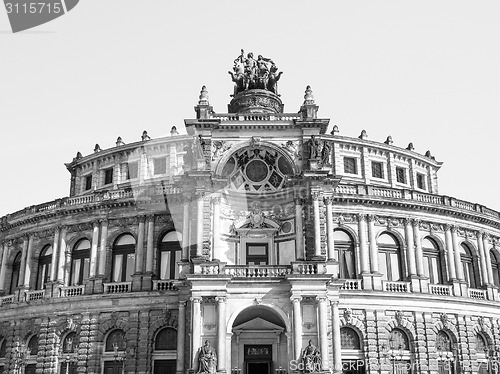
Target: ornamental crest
348, 315
399, 315
443, 317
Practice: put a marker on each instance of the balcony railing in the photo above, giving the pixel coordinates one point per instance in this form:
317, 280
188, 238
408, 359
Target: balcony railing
474, 293
440, 289
396, 286
164, 285
118, 287
7, 300
72, 291
351, 284
34, 295
308, 268
249, 271
342, 189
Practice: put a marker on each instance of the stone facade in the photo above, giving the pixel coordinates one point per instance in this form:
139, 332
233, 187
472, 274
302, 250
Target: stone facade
265, 237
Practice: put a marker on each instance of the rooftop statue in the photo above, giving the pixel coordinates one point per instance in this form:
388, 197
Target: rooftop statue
249, 73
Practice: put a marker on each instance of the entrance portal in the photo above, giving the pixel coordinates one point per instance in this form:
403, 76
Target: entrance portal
259, 344
258, 368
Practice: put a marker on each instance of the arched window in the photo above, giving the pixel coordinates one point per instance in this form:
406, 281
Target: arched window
482, 355
389, 253
349, 339
69, 350
169, 253
33, 345
3, 347
469, 265
166, 339
495, 265
432, 261
70, 343
80, 262
44, 267
445, 353
123, 258
16, 267
399, 351
344, 250
481, 345
115, 341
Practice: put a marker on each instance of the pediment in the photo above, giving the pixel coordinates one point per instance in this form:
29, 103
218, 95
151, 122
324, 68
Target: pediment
258, 324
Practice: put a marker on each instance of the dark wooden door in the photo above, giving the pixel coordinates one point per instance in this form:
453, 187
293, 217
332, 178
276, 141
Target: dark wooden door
164, 366
258, 367
30, 369
112, 367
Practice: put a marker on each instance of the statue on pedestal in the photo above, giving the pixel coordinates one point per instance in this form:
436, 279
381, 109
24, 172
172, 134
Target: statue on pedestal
207, 360
311, 358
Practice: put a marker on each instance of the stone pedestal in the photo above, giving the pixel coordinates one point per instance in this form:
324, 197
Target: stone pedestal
98, 285
137, 282
424, 284
147, 282
377, 281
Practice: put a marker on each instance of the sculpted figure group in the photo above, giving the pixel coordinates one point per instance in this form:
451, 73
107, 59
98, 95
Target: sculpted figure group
207, 360
249, 73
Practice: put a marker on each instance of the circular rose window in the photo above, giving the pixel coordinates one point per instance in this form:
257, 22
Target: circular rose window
257, 171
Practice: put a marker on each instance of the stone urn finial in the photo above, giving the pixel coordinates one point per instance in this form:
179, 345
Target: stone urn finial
203, 96
308, 97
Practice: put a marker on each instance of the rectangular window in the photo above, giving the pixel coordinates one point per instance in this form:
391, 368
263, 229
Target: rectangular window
88, 182
257, 254
401, 175
160, 165
132, 170
421, 181
377, 169
350, 165
108, 176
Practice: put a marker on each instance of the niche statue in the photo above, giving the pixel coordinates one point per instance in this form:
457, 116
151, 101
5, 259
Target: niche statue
207, 360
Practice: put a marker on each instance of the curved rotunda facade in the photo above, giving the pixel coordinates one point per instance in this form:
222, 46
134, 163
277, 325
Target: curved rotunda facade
258, 235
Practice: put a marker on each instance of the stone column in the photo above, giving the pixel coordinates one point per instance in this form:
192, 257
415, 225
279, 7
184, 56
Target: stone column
93, 249
196, 328
363, 248
418, 248
491, 279
317, 228
337, 350
185, 230
329, 229
3, 268
373, 244
449, 251
29, 262
456, 249
299, 231
216, 228
323, 336
62, 256
199, 224
482, 258
410, 248
150, 244
103, 248
55, 250
139, 247
297, 326
181, 337
22, 268
221, 334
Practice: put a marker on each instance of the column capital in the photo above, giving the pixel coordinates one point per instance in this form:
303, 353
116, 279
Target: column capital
141, 219
361, 217
328, 200
221, 299
103, 221
407, 221
316, 195
321, 299
296, 299
298, 200
415, 222
371, 217
195, 299
182, 304
151, 218
447, 227
216, 199
453, 229
480, 234
334, 303
95, 223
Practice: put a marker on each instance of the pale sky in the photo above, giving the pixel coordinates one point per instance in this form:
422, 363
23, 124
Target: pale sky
425, 72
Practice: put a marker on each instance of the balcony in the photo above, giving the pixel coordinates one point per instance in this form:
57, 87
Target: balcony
399, 286
71, 291
118, 287
249, 271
